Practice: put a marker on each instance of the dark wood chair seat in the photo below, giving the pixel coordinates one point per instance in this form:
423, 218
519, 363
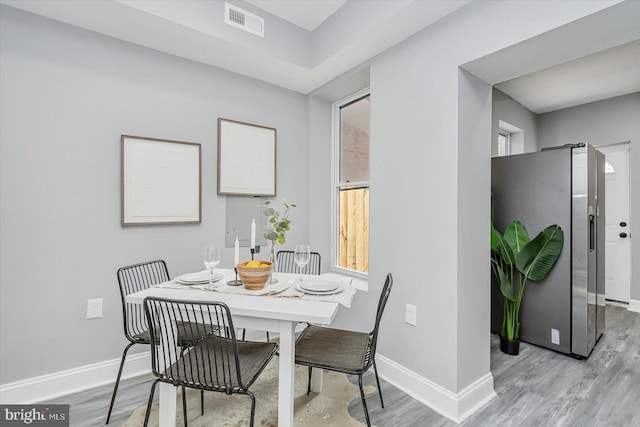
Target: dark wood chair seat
334, 349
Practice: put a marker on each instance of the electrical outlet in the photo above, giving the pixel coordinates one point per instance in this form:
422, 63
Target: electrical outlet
94, 308
555, 336
410, 314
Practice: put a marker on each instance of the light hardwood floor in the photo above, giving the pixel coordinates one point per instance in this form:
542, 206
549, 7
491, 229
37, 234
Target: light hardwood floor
537, 388
540, 387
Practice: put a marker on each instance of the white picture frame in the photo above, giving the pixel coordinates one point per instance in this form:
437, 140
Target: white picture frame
161, 181
246, 159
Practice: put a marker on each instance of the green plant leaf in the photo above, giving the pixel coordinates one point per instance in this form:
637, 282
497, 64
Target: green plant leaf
537, 258
504, 250
516, 236
506, 287
281, 239
270, 235
268, 202
495, 242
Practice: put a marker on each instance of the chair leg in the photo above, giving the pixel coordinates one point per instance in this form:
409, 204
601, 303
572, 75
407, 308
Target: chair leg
268, 337
309, 382
201, 402
146, 415
364, 403
115, 387
243, 332
378, 382
184, 406
253, 407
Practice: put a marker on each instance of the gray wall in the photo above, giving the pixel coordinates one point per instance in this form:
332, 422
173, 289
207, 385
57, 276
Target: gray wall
603, 122
474, 130
67, 96
511, 111
430, 187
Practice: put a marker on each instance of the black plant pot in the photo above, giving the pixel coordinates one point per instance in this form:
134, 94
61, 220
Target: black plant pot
509, 347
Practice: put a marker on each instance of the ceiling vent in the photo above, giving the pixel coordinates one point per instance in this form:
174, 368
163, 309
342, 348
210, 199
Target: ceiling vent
244, 20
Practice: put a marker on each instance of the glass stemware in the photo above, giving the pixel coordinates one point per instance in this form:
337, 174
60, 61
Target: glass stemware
211, 261
302, 256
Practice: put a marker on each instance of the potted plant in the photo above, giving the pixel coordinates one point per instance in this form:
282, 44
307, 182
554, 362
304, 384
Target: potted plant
277, 226
515, 259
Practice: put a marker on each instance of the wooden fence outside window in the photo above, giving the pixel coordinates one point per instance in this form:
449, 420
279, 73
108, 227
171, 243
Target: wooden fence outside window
354, 229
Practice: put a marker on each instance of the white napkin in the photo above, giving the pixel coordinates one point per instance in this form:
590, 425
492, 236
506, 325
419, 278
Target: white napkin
268, 289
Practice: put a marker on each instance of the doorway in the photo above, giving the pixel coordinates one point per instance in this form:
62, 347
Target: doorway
618, 228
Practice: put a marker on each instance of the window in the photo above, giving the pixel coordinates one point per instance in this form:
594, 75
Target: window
351, 118
504, 143
510, 139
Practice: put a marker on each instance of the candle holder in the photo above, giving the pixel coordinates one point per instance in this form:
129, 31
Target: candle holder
235, 282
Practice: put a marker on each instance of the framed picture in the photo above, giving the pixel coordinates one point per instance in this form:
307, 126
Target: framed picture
246, 159
161, 181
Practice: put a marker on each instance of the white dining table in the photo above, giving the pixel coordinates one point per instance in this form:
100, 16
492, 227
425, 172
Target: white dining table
263, 313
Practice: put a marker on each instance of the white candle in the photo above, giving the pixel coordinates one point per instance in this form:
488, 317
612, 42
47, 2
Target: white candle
236, 254
253, 234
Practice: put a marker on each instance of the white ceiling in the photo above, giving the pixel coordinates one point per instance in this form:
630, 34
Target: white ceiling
603, 75
288, 56
353, 32
307, 14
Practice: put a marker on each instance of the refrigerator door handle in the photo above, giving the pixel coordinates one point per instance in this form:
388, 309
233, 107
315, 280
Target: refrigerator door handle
592, 230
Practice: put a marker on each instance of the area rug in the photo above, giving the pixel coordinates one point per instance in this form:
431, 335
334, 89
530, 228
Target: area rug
328, 408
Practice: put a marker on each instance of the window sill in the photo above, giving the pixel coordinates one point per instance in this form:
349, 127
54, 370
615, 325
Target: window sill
360, 281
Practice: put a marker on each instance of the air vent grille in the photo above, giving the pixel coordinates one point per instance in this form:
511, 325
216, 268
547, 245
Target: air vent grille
244, 20
237, 17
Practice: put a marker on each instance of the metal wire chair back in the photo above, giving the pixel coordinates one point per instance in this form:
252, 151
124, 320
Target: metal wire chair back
287, 264
134, 278
211, 362
384, 296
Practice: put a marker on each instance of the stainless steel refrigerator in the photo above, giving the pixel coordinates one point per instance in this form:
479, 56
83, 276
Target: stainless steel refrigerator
564, 186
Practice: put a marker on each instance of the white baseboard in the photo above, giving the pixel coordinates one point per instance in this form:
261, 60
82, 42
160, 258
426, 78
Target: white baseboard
457, 407
634, 305
52, 386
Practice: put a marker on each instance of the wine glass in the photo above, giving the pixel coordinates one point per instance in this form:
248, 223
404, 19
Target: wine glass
211, 261
302, 256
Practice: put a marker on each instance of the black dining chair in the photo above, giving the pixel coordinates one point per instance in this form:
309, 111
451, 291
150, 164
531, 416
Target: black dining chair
287, 264
216, 362
131, 279
343, 351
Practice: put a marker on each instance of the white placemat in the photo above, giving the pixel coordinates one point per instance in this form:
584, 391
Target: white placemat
285, 288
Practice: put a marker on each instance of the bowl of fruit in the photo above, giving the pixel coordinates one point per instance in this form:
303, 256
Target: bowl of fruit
254, 274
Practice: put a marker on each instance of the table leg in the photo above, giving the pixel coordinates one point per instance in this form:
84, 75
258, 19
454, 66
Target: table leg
167, 404
167, 392
285, 386
316, 380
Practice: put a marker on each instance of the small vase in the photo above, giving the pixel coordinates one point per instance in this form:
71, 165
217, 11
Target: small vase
511, 347
274, 261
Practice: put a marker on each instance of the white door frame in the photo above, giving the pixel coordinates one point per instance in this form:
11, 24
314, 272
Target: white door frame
616, 148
